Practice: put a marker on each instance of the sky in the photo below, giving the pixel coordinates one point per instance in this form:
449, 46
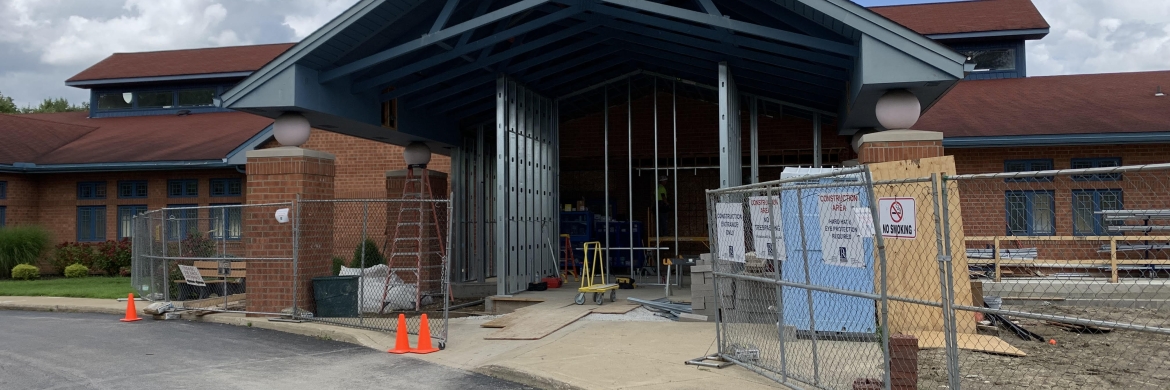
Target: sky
44, 42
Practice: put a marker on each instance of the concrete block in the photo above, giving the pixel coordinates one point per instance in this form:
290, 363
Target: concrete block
706, 288
690, 317
701, 268
698, 304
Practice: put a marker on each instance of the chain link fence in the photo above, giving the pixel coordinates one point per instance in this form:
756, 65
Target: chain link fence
357, 263
867, 279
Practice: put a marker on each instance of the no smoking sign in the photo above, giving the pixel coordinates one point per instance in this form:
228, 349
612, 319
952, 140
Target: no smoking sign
897, 218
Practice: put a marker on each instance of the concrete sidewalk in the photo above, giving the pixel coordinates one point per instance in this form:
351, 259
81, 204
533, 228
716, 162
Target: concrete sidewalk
596, 352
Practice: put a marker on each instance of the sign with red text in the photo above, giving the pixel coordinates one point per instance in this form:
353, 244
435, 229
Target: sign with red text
767, 232
897, 218
841, 243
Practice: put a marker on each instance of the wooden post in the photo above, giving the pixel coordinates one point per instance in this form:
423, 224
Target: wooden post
1113, 260
996, 254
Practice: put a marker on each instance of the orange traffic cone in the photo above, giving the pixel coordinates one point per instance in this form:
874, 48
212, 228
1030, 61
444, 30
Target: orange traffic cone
131, 313
424, 337
401, 343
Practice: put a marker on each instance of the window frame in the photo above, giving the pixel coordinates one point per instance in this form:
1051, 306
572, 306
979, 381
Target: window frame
174, 91
1095, 162
94, 186
3, 189
216, 213
185, 184
131, 208
134, 189
1100, 227
182, 228
1028, 167
1011, 50
3, 216
226, 182
1029, 212
95, 225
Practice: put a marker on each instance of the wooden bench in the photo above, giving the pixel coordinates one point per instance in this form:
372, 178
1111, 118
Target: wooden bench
234, 281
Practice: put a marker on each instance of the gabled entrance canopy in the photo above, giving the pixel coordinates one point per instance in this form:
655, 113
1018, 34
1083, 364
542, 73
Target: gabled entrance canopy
439, 60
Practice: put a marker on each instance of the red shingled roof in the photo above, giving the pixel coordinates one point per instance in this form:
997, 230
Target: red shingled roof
72, 138
966, 16
182, 62
1076, 104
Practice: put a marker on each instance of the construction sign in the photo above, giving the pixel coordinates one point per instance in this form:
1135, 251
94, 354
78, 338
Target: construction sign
841, 243
729, 220
765, 230
191, 275
897, 218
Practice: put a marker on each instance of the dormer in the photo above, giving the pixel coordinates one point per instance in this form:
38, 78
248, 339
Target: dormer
991, 33
169, 82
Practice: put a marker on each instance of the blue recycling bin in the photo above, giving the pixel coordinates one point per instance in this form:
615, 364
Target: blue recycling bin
847, 265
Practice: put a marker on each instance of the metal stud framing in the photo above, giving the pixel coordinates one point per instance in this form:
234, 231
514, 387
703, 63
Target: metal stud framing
730, 154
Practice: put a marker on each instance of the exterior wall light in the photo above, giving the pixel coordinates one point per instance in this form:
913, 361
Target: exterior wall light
291, 129
417, 154
898, 109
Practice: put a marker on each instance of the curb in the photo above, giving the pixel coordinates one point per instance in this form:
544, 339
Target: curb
525, 378
61, 308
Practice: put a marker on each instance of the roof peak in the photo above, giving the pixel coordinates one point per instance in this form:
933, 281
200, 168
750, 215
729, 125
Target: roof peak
203, 48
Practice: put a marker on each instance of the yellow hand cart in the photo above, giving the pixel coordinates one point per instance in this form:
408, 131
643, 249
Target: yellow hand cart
589, 275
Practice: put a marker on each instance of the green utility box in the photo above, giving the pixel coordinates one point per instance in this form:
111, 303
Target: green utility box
336, 296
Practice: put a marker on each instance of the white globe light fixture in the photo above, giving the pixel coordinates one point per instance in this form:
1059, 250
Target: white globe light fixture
417, 154
898, 109
291, 129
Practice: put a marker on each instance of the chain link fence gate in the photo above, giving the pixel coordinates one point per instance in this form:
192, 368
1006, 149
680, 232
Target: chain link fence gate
394, 252
855, 275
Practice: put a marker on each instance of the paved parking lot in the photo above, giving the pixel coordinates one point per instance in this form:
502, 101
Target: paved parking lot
95, 351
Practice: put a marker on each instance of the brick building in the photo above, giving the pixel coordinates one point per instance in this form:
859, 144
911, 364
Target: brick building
153, 138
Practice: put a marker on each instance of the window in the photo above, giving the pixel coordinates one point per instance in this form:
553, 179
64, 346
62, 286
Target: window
156, 99
992, 59
182, 221
1085, 163
115, 101
1028, 166
126, 219
1086, 204
3, 190
1031, 213
131, 189
3, 215
197, 97
227, 187
91, 223
183, 188
91, 190
226, 219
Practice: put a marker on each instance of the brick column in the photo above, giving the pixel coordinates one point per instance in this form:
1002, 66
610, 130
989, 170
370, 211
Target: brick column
279, 175
431, 229
898, 145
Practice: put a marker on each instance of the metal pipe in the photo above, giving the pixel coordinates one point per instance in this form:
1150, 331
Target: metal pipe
674, 140
817, 140
362, 263
1063, 172
836, 173
943, 262
952, 334
657, 228
776, 265
884, 303
630, 167
714, 88
605, 115
812, 322
755, 138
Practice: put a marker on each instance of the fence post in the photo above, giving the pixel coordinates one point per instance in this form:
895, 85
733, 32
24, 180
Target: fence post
812, 322
997, 260
362, 272
713, 232
296, 232
773, 205
952, 331
880, 247
1113, 260
944, 262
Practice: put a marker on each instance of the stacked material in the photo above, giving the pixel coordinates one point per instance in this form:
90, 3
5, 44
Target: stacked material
703, 287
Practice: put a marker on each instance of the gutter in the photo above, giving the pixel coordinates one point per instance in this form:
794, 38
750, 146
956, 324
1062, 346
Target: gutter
22, 167
1006, 141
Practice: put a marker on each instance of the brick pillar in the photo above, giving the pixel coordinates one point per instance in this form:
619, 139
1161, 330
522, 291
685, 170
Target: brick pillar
431, 229
279, 175
898, 145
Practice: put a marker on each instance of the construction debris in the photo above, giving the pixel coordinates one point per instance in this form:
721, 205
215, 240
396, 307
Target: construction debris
1078, 328
665, 308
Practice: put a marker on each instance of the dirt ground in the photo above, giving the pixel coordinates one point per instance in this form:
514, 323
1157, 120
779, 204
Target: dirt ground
1120, 359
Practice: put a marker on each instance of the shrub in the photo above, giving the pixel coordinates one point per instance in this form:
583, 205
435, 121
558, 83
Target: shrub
373, 256
22, 245
112, 256
69, 253
76, 271
25, 272
198, 245
338, 262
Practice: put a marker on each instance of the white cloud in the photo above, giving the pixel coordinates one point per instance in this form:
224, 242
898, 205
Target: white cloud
314, 14
1102, 36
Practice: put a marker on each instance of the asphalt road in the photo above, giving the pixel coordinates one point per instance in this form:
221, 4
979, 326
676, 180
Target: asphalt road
94, 351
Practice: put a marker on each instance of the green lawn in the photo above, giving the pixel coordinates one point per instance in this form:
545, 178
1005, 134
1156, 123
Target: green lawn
91, 287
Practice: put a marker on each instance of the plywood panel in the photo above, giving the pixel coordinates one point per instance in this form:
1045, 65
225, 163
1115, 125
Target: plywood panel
970, 342
912, 265
535, 324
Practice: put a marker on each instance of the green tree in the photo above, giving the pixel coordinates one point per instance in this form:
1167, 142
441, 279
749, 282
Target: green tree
7, 106
55, 105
